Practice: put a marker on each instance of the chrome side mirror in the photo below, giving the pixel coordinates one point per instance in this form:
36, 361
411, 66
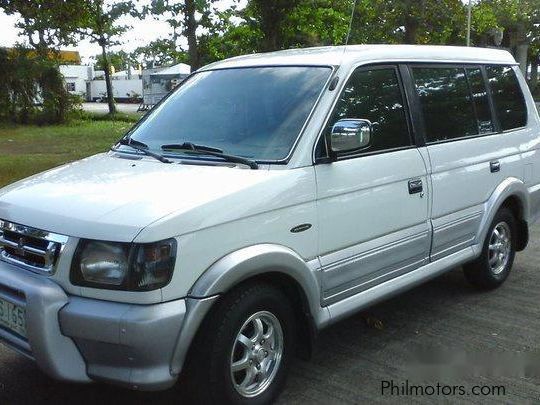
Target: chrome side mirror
349, 135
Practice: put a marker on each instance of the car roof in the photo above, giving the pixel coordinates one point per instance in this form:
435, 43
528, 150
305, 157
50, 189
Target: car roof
339, 55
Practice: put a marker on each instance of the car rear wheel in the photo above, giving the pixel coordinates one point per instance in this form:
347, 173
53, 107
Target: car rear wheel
492, 268
242, 353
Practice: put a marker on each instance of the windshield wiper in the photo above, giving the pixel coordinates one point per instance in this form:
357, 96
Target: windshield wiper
191, 146
142, 147
208, 150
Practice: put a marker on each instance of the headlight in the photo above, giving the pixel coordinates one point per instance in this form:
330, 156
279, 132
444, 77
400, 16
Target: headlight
123, 266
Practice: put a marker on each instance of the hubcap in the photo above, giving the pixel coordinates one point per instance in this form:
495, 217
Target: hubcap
500, 247
256, 354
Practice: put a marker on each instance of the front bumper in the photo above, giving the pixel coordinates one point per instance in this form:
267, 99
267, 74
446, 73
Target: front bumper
78, 339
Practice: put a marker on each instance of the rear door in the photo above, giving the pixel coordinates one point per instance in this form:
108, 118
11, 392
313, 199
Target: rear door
470, 151
372, 205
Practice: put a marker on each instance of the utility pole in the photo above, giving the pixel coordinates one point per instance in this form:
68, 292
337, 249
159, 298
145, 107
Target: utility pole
469, 15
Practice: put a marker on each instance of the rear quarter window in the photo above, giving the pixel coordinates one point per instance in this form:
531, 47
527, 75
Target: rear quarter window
507, 96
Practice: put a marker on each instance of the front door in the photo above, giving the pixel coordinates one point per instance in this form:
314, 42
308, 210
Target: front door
372, 205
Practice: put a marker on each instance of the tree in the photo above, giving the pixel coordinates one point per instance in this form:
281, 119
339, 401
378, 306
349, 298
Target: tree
409, 22
268, 26
160, 52
46, 24
99, 22
284, 24
534, 49
120, 60
182, 16
519, 21
270, 17
32, 89
316, 23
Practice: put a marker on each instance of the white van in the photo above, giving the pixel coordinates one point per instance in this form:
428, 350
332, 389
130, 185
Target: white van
268, 197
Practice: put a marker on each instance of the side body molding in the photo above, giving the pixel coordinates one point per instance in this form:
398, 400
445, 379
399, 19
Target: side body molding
510, 187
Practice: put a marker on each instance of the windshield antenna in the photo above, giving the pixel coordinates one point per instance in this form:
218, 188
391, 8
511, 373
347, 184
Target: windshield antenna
350, 23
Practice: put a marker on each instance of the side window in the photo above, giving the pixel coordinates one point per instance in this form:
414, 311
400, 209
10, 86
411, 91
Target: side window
375, 95
446, 103
507, 96
481, 101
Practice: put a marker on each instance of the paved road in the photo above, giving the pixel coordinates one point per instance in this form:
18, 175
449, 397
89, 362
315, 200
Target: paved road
444, 318
103, 108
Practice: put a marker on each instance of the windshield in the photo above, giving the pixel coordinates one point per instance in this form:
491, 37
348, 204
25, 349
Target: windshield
256, 113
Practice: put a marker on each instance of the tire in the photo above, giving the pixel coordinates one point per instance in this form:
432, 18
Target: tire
493, 266
219, 344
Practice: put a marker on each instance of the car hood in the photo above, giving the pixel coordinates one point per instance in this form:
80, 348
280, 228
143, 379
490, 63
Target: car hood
112, 198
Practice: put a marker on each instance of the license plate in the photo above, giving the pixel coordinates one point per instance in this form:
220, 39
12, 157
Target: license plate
13, 317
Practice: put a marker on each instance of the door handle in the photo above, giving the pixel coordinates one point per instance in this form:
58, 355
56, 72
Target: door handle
495, 166
416, 186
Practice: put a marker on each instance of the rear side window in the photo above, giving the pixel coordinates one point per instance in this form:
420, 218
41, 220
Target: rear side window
507, 96
446, 102
375, 95
481, 101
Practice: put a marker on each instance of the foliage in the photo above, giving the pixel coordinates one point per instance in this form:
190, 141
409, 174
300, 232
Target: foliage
120, 60
161, 52
409, 21
281, 24
122, 117
32, 89
266, 26
519, 19
185, 18
316, 23
46, 24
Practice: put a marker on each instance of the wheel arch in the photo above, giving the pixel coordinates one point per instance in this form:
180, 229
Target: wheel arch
259, 260
274, 264
512, 194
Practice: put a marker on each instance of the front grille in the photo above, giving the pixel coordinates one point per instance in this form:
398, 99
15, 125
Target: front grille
31, 248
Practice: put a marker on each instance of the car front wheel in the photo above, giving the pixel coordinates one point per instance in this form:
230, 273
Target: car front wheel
242, 353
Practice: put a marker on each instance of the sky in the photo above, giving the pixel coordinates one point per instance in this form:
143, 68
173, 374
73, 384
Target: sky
142, 33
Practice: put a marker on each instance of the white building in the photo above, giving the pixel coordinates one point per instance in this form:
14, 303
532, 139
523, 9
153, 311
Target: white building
76, 77
90, 84
123, 90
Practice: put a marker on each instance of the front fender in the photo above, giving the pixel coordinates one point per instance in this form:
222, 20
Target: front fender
239, 266
257, 260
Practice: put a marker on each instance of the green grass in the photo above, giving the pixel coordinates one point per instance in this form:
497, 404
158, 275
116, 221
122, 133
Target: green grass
119, 116
28, 149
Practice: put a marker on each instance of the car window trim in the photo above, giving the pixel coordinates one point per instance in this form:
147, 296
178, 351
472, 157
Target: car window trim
408, 118
413, 105
496, 123
471, 95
